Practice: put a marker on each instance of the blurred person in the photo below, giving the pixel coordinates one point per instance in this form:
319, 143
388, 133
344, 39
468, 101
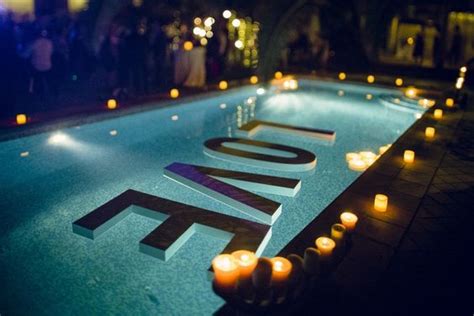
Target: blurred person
456, 47
197, 71
41, 52
419, 48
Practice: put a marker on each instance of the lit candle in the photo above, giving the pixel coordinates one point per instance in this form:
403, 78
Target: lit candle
281, 269
21, 119
350, 156
342, 76
174, 93
112, 104
410, 92
370, 79
226, 271
325, 245
449, 102
438, 114
381, 202
247, 262
337, 233
223, 85
278, 75
253, 79
349, 220
409, 156
399, 82
367, 155
430, 132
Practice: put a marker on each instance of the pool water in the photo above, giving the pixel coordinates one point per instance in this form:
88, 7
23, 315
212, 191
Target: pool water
47, 181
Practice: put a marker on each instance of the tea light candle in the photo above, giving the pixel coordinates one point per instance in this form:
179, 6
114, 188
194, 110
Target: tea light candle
311, 260
278, 75
349, 220
357, 165
21, 119
381, 202
174, 93
112, 104
247, 262
409, 156
342, 76
438, 114
430, 132
281, 268
253, 79
399, 82
383, 149
337, 232
325, 245
223, 85
370, 79
449, 102
226, 271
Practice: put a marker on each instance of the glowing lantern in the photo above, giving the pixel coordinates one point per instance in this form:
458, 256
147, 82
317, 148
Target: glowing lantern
112, 104
370, 79
254, 80
342, 76
223, 85
188, 45
174, 93
21, 119
438, 114
278, 75
399, 82
381, 202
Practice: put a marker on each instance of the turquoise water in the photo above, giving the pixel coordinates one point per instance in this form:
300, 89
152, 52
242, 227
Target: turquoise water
47, 269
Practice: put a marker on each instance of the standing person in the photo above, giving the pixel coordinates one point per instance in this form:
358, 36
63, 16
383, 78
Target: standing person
437, 51
455, 51
419, 48
41, 53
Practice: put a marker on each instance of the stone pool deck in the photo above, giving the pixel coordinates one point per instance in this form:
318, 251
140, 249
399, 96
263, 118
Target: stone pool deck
415, 257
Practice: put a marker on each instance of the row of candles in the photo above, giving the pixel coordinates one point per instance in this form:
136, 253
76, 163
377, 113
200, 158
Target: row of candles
243, 266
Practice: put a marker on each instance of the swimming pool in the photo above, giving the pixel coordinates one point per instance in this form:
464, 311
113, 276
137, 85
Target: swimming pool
50, 180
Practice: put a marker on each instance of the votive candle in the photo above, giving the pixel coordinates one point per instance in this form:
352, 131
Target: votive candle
349, 220
226, 271
281, 268
438, 114
112, 104
21, 119
247, 262
409, 156
430, 132
325, 245
381, 202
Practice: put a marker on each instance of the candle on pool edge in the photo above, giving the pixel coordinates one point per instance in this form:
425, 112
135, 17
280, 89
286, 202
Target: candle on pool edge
226, 272
349, 220
111, 104
247, 262
337, 233
174, 93
409, 156
381, 202
281, 268
430, 132
438, 114
350, 156
325, 246
449, 102
21, 119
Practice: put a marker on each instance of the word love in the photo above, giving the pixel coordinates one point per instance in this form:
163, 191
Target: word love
180, 221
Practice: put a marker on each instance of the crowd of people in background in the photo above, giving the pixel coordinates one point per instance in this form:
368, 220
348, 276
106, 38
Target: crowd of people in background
40, 58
